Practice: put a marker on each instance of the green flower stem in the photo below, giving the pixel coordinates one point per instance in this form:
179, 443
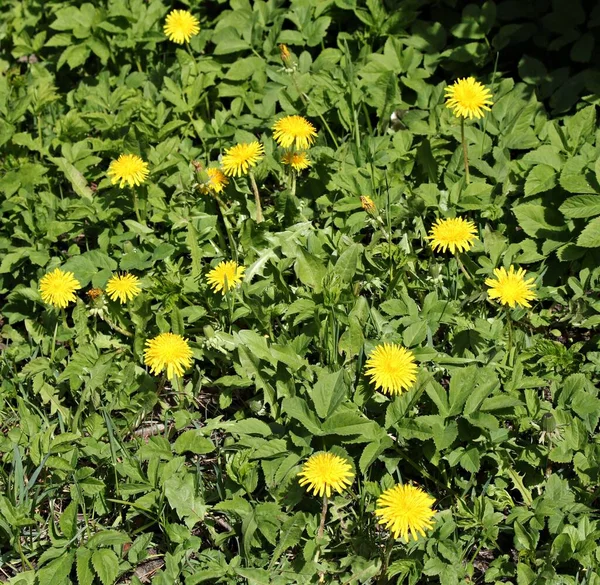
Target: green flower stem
463, 269
136, 205
223, 209
509, 325
386, 561
293, 181
464, 147
323, 517
54, 340
259, 215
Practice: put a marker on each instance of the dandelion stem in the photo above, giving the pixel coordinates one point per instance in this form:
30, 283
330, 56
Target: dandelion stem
463, 269
136, 205
509, 325
54, 341
259, 215
223, 209
323, 517
293, 188
386, 561
464, 147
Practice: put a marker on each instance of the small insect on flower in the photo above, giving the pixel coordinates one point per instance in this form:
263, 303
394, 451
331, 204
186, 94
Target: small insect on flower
468, 98
123, 287
454, 233
392, 368
239, 159
128, 168
294, 130
225, 276
511, 288
368, 204
58, 288
181, 26
405, 511
324, 472
297, 160
216, 183
168, 351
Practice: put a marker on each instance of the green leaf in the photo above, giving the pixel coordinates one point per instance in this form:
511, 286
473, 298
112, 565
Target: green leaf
106, 565
193, 442
85, 575
291, 532
108, 538
590, 236
573, 177
328, 392
183, 498
310, 270
57, 570
541, 178
68, 520
581, 206
345, 267
296, 407
537, 220
462, 383
77, 180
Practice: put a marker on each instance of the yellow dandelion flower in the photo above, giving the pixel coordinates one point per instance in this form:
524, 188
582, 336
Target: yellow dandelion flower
455, 233
284, 53
216, 183
297, 160
511, 288
324, 472
405, 511
239, 159
468, 98
225, 276
128, 168
392, 368
181, 26
294, 130
170, 351
58, 288
123, 287
367, 204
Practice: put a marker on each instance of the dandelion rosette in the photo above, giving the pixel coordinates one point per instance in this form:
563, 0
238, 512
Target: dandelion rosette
123, 287
468, 98
216, 183
392, 368
454, 234
239, 159
511, 288
324, 472
405, 510
128, 169
225, 276
58, 288
294, 130
168, 351
181, 26
297, 160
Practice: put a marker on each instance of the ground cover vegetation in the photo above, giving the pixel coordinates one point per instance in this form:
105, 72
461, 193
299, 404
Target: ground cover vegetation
299, 292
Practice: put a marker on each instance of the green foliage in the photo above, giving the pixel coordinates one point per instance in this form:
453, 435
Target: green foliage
112, 475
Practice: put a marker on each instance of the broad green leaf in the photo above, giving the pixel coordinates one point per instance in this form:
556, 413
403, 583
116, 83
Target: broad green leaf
581, 206
106, 565
57, 570
193, 442
541, 178
590, 236
77, 180
85, 574
538, 220
328, 392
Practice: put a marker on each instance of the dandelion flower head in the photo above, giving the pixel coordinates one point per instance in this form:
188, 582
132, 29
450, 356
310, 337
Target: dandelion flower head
225, 276
511, 288
168, 351
58, 288
455, 234
324, 472
392, 368
294, 130
123, 287
128, 168
297, 160
181, 26
367, 204
405, 511
217, 181
468, 98
239, 159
